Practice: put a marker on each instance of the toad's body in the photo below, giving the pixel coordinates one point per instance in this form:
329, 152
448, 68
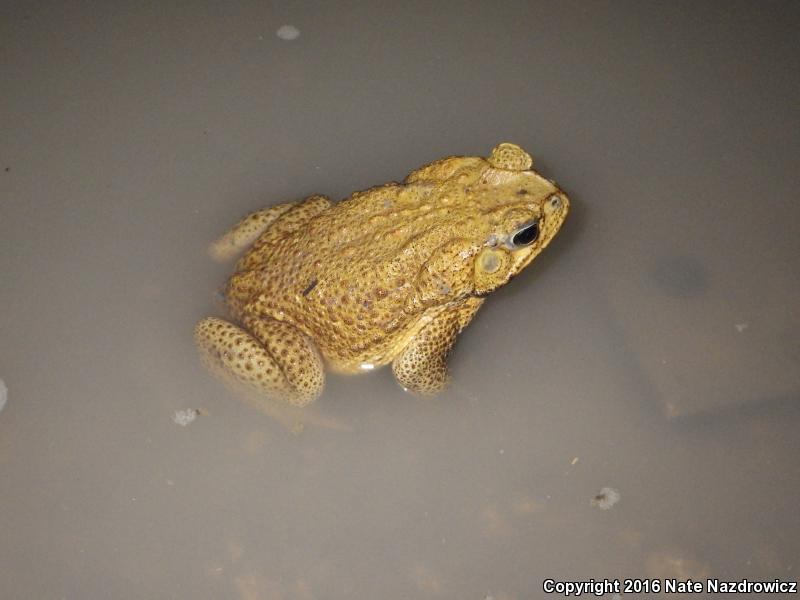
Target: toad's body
391, 274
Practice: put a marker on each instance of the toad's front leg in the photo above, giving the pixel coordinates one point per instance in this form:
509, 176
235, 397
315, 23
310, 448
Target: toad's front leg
277, 359
422, 365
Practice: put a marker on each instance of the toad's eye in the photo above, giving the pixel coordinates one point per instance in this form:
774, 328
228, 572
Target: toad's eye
526, 235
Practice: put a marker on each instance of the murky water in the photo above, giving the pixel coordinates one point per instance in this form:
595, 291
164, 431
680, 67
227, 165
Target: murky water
628, 407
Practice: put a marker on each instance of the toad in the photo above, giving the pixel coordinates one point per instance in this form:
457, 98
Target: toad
389, 275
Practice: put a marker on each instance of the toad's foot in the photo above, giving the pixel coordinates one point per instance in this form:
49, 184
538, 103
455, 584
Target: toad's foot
295, 419
277, 359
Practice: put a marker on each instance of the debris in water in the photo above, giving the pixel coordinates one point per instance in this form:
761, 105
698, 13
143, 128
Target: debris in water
3, 394
606, 498
675, 565
186, 416
740, 327
288, 32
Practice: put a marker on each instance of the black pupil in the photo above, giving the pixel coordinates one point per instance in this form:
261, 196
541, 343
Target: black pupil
526, 236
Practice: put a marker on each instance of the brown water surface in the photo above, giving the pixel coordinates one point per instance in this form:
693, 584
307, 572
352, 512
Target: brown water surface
653, 349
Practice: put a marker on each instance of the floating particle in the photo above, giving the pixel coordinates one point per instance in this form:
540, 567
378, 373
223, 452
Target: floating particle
186, 416
3, 394
740, 327
605, 498
288, 32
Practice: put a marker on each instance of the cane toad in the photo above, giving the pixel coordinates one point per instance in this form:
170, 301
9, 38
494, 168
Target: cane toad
391, 274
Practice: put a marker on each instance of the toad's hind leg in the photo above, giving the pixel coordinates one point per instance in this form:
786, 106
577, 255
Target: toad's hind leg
287, 223
242, 235
277, 360
422, 365
266, 225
